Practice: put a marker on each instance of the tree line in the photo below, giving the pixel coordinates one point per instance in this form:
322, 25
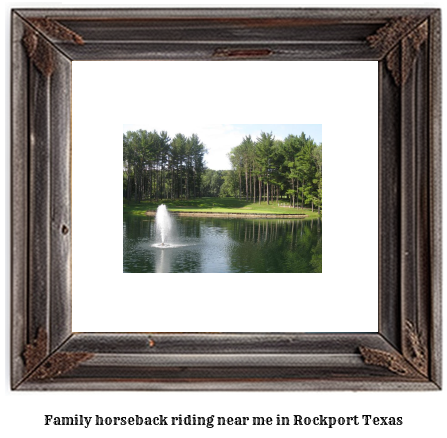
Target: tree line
268, 169
158, 167
265, 169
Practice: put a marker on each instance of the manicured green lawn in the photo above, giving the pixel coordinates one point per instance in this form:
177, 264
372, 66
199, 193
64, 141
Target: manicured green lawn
216, 205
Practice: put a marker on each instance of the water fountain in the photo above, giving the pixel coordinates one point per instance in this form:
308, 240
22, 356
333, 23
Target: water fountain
163, 225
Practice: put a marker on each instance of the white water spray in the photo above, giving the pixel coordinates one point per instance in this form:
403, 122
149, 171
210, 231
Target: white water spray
163, 224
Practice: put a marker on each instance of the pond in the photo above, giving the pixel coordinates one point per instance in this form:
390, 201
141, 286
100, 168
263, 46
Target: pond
219, 245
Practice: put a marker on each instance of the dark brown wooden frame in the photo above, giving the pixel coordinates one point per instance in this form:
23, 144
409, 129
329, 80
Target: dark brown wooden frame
405, 354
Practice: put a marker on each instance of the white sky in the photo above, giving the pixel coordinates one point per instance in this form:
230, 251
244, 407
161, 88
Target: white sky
220, 139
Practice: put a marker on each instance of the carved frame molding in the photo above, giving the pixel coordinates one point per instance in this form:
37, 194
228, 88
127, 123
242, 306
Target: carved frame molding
406, 352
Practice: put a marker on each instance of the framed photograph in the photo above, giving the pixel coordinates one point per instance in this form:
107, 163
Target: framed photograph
201, 325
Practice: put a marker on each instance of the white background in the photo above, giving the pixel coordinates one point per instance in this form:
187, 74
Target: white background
22, 413
107, 95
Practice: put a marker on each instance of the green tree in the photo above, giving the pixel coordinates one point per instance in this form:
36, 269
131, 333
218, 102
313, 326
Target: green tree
264, 156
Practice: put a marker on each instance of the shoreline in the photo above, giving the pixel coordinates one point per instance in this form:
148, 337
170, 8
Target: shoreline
229, 215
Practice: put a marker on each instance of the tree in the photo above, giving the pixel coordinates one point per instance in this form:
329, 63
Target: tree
178, 167
127, 158
235, 157
197, 151
246, 152
264, 155
229, 186
156, 167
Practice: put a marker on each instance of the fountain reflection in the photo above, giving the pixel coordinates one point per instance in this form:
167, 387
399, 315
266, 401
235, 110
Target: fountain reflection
163, 261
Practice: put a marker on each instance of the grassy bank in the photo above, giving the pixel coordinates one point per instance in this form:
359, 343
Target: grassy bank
216, 205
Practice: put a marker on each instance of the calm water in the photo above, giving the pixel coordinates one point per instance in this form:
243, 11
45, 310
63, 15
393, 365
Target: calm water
224, 245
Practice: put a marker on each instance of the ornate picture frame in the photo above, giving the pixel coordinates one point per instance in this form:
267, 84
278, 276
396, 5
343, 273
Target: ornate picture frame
405, 353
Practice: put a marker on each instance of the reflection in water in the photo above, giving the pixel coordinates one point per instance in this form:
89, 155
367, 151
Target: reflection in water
225, 245
163, 261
